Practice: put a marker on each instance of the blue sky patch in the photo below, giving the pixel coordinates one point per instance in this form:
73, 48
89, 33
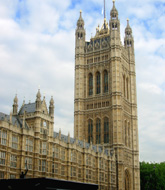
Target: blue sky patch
21, 10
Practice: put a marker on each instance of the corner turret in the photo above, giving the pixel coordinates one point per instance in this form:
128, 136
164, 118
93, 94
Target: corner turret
38, 101
15, 105
114, 23
51, 107
128, 40
80, 35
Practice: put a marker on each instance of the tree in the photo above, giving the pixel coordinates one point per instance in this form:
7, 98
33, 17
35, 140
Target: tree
152, 176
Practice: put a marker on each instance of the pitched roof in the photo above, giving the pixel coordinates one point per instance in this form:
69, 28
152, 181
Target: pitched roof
15, 120
64, 138
29, 108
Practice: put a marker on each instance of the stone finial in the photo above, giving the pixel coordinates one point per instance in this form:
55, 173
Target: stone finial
24, 116
127, 22
60, 133
38, 101
114, 11
16, 99
68, 137
51, 107
51, 101
38, 96
15, 105
80, 20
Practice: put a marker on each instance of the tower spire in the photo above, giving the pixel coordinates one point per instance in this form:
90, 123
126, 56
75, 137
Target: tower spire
128, 40
104, 15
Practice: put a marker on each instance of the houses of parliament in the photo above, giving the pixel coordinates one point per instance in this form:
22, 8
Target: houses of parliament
105, 147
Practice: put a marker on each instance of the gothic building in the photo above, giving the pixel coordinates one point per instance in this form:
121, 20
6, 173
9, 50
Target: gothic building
27, 141
104, 149
105, 106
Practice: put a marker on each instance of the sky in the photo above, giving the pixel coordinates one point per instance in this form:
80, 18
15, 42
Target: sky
37, 49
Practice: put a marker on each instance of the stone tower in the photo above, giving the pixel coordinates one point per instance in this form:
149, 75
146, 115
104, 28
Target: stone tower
105, 105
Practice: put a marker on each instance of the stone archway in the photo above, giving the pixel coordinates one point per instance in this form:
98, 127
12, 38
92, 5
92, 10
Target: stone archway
127, 180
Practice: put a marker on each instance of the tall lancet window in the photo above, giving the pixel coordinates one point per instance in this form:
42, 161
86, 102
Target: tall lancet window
90, 84
129, 137
124, 85
90, 131
125, 133
127, 83
97, 83
98, 131
106, 130
105, 81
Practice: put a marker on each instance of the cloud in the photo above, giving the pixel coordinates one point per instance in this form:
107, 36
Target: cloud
151, 88
37, 48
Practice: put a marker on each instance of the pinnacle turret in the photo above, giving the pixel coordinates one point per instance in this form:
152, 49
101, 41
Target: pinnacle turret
38, 101
128, 40
51, 101
114, 24
128, 29
38, 96
16, 99
80, 22
15, 105
80, 31
80, 35
51, 107
114, 12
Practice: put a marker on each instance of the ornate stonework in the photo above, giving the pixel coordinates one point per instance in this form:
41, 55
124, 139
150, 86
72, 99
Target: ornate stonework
104, 149
27, 141
105, 108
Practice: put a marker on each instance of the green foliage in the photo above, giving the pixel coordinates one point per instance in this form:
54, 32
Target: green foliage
152, 176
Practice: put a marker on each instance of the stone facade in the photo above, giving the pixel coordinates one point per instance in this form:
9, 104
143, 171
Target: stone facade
104, 149
105, 106
27, 140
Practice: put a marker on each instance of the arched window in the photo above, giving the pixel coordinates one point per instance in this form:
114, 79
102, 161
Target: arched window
129, 137
127, 89
90, 84
127, 180
114, 26
105, 81
90, 131
106, 130
97, 83
98, 131
124, 85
